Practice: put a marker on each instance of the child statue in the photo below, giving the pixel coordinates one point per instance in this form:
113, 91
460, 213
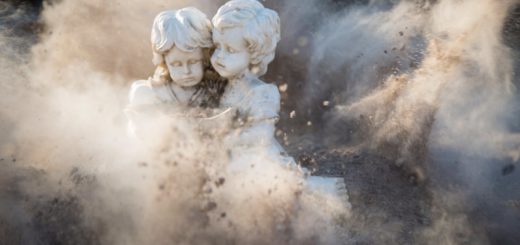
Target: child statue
181, 43
245, 35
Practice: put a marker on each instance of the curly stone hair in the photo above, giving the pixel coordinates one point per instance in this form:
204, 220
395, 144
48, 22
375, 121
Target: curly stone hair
261, 30
186, 29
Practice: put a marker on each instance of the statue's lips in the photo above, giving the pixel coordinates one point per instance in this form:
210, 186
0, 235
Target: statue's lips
186, 79
219, 65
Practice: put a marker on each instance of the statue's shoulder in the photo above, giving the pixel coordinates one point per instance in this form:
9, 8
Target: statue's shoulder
264, 100
142, 92
265, 91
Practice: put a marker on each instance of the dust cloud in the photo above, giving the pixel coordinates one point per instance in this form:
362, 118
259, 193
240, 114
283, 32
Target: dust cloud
429, 85
74, 176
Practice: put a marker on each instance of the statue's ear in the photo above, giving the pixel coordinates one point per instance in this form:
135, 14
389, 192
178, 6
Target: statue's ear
256, 58
252, 47
161, 75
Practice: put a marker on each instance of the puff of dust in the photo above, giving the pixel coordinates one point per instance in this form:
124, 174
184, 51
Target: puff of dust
379, 42
111, 37
459, 88
173, 187
445, 89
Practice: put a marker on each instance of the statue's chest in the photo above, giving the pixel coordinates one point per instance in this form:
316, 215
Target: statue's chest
236, 99
168, 94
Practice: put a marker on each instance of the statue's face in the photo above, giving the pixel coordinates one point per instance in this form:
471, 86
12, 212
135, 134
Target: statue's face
231, 57
186, 68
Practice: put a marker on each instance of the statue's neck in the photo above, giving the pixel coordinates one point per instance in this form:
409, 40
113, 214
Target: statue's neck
241, 81
176, 87
183, 94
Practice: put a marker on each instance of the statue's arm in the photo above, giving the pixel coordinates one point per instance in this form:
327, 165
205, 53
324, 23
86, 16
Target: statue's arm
141, 103
259, 133
258, 126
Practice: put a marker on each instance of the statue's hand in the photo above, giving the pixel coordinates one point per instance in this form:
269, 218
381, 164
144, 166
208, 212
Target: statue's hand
221, 115
220, 121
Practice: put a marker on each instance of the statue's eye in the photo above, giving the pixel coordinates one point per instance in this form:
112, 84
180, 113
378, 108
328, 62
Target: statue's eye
191, 62
176, 64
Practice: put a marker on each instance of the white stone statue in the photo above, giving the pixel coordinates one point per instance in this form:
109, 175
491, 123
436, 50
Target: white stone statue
245, 35
181, 43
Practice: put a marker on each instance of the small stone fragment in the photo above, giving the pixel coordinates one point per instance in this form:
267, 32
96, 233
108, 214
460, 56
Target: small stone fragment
220, 181
283, 87
303, 41
210, 206
278, 133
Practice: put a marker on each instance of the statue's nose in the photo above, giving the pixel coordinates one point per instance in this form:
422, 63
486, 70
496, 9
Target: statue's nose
187, 69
